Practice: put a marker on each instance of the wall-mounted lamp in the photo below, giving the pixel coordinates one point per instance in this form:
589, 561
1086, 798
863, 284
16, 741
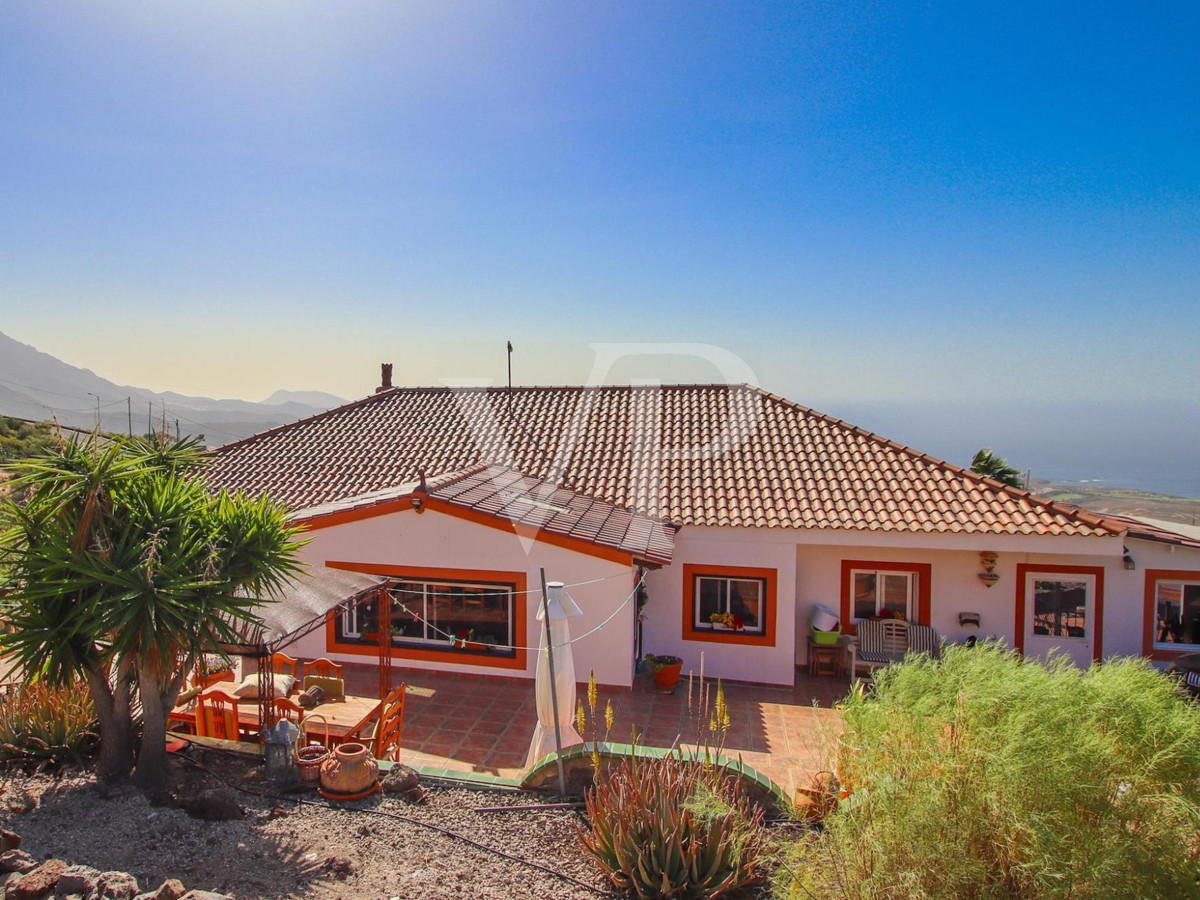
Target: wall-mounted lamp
988, 560
1130, 564
968, 618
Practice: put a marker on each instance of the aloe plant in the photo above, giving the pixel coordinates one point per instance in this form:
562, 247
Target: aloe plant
41, 722
673, 827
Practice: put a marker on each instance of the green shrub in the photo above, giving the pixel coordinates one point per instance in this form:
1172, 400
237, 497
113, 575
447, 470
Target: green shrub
47, 723
984, 775
673, 827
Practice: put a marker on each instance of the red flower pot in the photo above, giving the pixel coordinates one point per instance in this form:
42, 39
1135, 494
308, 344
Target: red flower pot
667, 676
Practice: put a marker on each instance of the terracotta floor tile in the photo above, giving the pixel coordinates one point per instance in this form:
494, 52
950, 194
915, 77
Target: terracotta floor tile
507, 757
441, 745
414, 733
485, 724
479, 741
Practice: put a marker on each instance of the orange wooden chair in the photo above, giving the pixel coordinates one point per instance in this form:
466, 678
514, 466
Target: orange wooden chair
217, 714
289, 709
391, 724
285, 665
202, 679
380, 729
323, 668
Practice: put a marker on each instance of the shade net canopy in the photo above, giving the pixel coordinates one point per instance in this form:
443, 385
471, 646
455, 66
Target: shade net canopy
299, 607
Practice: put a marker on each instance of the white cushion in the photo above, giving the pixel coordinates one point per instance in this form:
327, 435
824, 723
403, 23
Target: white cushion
248, 689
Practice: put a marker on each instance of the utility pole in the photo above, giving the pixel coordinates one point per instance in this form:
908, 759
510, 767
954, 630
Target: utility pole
129, 410
97, 396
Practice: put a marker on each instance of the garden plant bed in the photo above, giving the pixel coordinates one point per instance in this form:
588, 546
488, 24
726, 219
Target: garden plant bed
285, 849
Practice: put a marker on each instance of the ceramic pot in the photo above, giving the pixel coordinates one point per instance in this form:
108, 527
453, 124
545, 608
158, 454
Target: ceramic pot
667, 676
350, 773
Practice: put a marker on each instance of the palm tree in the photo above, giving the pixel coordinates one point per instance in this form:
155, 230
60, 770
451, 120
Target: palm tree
989, 465
122, 569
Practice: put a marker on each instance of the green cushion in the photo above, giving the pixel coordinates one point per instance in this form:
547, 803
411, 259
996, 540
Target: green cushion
334, 688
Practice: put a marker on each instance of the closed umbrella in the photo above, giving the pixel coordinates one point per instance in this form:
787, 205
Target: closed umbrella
561, 607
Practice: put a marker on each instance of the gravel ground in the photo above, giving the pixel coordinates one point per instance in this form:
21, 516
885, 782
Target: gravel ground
282, 849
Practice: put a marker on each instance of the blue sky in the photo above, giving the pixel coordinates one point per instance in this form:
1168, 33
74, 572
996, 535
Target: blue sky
908, 203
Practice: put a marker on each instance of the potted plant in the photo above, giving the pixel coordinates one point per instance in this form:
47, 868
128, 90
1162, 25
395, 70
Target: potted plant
727, 622
466, 640
666, 670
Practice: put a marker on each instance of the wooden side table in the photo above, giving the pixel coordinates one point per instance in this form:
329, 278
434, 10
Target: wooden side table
826, 659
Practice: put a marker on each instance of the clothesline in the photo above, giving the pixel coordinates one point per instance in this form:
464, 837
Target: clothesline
454, 639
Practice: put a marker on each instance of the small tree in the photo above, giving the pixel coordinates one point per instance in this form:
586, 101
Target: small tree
989, 465
121, 569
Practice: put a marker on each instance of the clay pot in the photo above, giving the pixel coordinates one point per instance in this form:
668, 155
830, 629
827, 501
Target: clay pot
667, 676
350, 774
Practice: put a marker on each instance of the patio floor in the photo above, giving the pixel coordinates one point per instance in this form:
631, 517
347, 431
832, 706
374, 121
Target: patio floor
482, 724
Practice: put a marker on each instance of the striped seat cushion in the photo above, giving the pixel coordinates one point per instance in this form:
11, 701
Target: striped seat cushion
923, 639
879, 656
1193, 680
870, 638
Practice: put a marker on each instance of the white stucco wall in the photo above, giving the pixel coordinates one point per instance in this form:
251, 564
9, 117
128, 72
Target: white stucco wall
1126, 634
434, 540
757, 548
956, 587
809, 566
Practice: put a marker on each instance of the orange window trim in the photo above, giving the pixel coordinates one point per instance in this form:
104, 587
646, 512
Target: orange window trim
516, 661
691, 633
1026, 569
538, 535
923, 571
1149, 623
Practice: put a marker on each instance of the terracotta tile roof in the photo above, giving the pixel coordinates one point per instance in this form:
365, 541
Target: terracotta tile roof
691, 454
507, 494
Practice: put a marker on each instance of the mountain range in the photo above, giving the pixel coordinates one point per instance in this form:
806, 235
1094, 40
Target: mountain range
36, 385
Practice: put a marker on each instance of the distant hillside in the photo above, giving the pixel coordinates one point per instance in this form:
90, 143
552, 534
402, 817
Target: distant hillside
317, 399
1121, 501
36, 385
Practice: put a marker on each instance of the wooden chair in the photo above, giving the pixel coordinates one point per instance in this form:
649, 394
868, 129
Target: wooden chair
323, 667
289, 709
380, 729
201, 679
391, 724
285, 665
217, 714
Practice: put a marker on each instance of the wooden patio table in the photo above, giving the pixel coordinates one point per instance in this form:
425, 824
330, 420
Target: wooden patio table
342, 716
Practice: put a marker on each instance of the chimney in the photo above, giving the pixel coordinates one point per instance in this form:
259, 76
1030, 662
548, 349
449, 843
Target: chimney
385, 374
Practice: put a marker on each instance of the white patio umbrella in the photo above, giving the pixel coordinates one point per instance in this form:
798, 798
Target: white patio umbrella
561, 607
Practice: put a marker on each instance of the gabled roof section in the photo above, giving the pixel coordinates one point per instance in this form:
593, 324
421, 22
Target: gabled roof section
528, 505
718, 455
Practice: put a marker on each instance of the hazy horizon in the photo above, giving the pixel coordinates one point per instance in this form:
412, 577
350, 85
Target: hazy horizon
956, 225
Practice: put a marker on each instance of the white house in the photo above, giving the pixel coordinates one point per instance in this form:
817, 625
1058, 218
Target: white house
663, 505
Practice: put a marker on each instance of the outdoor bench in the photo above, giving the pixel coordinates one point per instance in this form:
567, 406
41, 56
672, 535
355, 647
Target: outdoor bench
879, 642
